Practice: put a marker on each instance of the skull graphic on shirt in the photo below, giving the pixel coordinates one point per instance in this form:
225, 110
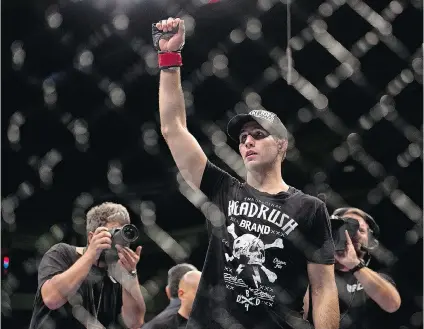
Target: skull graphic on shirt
249, 250
251, 247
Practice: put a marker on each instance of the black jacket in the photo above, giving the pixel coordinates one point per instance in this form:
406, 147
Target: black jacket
172, 308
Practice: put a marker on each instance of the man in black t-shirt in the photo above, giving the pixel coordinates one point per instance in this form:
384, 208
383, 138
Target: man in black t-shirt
267, 240
360, 289
175, 274
187, 289
75, 290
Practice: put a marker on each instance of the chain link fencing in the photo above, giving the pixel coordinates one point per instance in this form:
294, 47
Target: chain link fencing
80, 124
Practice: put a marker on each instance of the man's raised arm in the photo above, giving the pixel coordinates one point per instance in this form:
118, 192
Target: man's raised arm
168, 38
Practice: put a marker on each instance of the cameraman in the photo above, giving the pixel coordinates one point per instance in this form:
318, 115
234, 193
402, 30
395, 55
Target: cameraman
75, 289
357, 284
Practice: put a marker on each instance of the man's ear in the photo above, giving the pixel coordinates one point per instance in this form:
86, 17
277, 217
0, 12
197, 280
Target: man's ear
168, 292
282, 145
180, 293
89, 237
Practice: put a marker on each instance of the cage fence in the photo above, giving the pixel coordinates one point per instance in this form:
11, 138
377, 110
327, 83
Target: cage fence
80, 124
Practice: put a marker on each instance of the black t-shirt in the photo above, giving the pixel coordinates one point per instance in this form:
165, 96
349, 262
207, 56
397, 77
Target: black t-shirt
356, 308
255, 271
72, 314
170, 320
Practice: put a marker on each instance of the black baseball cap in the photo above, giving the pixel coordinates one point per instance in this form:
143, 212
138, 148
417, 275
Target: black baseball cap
267, 120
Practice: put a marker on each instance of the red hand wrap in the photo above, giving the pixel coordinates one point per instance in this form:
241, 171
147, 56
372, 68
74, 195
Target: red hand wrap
170, 59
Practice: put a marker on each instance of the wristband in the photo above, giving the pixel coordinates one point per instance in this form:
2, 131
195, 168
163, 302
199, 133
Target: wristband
167, 60
358, 267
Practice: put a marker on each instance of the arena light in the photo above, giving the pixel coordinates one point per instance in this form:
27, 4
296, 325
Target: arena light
6, 262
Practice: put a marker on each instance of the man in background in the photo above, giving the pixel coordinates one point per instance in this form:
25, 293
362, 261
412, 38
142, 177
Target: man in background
187, 289
175, 274
360, 288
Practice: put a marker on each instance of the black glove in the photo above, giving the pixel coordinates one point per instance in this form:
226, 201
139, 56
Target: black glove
158, 34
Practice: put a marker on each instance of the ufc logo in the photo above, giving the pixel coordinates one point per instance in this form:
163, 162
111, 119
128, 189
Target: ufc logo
354, 287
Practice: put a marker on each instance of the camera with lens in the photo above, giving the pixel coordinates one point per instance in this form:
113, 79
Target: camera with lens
123, 236
338, 227
341, 223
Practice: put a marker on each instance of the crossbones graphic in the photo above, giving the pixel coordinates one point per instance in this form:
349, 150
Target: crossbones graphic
249, 300
253, 249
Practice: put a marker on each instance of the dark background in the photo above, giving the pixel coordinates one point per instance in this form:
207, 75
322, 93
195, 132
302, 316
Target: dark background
68, 142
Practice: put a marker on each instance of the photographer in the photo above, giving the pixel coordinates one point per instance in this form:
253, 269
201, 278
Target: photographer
355, 234
77, 286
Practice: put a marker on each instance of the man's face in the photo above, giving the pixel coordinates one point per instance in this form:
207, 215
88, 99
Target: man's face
190, 294
361, 237
257, 147
187, 292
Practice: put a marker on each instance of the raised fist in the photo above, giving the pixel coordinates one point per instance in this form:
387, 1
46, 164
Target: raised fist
169, 35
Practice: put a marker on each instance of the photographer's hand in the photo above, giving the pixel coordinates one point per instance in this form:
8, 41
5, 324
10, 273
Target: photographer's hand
133, 306
128, 259
378, 288
100, 241
348, 257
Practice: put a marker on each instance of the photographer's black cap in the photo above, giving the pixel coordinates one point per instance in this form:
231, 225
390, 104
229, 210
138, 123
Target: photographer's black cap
268, 120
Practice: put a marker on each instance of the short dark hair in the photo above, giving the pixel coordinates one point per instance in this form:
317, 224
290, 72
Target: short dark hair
175, 275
